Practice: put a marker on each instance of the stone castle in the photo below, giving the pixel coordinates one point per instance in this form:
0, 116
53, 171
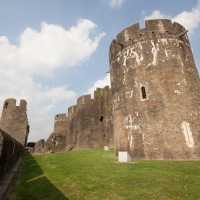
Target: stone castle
152, 109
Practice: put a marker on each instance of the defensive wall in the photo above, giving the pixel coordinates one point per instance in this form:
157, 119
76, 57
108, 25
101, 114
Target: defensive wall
87, 126
90, 121
10, 151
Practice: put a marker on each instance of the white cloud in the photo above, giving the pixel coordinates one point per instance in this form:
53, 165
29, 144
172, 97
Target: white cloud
156, 14
99, 84
54, 47
115, 3
190, 20
41, 53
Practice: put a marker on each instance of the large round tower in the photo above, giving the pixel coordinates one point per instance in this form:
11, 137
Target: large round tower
156, 92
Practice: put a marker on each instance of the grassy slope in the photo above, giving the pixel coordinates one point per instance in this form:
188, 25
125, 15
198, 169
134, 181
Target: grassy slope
97, 175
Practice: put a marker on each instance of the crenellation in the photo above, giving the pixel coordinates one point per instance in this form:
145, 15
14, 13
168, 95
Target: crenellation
60, 117
84, 99
23, 103
11, 102
71, 110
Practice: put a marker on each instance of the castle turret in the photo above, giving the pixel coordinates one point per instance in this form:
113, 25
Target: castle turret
155, 87
14, 120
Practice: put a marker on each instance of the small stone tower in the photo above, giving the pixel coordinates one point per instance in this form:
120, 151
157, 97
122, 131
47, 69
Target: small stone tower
156, 92
14, 120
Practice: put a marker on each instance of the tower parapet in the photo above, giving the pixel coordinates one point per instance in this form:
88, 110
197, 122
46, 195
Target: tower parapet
72, 110
60, 117
84, 99
154, 30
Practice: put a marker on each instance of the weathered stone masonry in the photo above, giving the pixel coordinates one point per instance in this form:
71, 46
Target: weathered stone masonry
90, 121
88, 125
155, 87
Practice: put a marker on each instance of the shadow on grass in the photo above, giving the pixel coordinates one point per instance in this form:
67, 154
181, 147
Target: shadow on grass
32, 184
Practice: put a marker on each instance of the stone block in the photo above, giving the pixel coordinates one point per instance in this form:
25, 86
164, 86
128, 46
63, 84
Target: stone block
106, 148
124, 157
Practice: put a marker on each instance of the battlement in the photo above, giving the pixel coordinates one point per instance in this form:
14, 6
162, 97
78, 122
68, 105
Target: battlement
72, 109
159, 28
60, 117
23, 103
11, 103
84, 99
164, 26
100, 92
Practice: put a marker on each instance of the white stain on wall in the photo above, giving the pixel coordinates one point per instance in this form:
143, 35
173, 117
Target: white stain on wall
187, 134
177, 92
126, 36
129, 94
164, 41
129, 124
154, 51
125, 57
136, 56
130, 138
166, 53
161, 27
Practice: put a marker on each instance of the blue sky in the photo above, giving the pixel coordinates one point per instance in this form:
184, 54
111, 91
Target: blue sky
53, 51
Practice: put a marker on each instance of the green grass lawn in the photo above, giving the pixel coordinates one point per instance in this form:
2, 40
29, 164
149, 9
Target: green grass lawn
96, 174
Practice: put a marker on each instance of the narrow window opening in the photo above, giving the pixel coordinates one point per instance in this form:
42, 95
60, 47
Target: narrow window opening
6, 105
144, 95
121, 45
101, 118
104, 135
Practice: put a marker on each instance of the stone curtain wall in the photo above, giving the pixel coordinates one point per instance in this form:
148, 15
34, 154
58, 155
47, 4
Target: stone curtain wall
14, 120
155, 87
90, 121
10, 151
87, 126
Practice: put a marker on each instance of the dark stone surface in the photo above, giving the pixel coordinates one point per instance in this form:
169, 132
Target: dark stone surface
10, 151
